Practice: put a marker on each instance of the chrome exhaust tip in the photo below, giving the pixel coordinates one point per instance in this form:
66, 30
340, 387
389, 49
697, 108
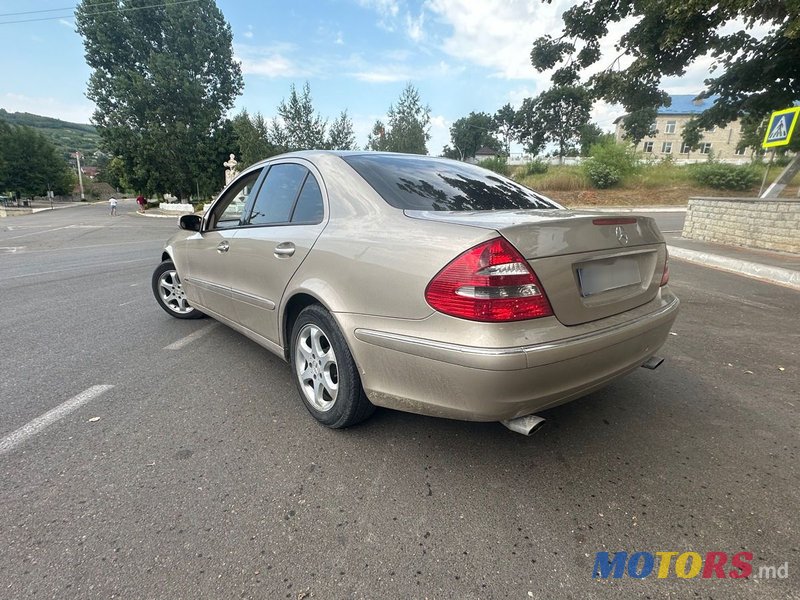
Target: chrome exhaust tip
653, 362
525, 425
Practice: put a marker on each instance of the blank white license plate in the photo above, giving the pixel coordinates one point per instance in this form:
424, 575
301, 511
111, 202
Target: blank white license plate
603, 276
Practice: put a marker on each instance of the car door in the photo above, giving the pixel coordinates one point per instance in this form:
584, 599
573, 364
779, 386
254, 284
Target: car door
208, 251
287, 216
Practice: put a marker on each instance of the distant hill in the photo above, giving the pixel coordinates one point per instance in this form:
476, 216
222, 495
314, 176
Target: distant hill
67, 137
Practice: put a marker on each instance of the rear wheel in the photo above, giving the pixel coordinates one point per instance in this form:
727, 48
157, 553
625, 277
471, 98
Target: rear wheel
325, 372
168, 290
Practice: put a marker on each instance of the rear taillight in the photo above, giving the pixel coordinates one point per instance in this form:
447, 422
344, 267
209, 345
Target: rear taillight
490, 282
665, 275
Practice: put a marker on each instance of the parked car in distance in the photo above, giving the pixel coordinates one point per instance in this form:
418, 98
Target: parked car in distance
421, 284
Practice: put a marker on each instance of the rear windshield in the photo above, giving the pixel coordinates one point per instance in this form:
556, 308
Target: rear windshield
422, 183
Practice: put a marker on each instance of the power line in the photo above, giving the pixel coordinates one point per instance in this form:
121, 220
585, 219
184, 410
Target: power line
101, 12
33, 12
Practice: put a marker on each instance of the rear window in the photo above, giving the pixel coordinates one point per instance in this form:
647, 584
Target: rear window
422, 183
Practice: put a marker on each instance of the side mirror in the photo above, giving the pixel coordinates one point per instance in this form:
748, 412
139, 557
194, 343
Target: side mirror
190, 222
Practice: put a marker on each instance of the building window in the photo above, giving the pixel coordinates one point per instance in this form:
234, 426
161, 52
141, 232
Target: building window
666, 148
739, 152
705, 148
685, 148
671, 126
648, 146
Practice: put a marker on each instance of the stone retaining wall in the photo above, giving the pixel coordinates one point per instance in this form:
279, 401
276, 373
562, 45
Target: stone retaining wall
773, 224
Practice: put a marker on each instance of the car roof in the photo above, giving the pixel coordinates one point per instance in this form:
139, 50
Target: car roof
310, 154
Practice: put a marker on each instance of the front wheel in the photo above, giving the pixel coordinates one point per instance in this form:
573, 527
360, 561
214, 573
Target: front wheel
325, 372
168, 290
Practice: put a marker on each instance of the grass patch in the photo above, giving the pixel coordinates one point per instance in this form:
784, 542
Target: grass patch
565, 178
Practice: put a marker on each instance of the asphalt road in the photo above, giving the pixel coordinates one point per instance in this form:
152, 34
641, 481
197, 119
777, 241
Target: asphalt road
199, 474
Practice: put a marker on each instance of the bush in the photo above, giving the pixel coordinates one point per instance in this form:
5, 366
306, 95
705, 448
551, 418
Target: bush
498, 164
601, 175
725, 177
620, 158
535, 167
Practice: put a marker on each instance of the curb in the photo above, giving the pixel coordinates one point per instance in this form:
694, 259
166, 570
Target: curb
154, 216
776, 275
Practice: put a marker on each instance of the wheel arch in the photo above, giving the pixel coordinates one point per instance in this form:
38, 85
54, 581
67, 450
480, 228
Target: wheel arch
293, 307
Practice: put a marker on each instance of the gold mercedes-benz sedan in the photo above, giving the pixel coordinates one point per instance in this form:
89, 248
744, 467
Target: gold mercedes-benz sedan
422, 284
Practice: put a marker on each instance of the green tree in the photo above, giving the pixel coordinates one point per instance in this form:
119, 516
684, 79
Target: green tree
409, 124
556, 117
376, 140
755, 76
469, 134
163, 77
252, 138
341, 135
589, 135
299, 126
30, 165
505, 123
113, 173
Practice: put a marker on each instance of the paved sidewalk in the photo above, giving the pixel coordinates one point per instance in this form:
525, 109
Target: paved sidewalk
781, 268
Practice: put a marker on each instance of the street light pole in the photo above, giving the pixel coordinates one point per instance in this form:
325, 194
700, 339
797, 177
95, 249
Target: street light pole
80, 175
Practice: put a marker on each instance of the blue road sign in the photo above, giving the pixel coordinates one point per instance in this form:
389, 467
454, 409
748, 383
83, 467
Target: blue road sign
780, 128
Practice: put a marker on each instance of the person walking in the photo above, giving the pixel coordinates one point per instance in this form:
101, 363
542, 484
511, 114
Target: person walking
112, 202
141, 202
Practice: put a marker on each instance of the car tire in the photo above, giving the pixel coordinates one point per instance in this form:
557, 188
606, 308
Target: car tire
168, 290
324, 371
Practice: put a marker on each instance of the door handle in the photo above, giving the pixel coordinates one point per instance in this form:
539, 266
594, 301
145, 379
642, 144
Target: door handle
223, 246
284, 249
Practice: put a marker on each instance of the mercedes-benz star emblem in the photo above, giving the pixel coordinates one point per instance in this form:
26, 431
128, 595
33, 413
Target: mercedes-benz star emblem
622, 236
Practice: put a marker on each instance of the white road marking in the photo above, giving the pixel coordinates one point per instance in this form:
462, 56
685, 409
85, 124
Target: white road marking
106, 264
131, 302
62, 249
10, 249
12, 440
38, 232
191, 337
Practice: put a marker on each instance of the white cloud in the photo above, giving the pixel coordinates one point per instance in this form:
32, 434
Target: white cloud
386, 74
249, 33
270, 61
339, 41
48, 106
440, 134
415, 27
517, 95
603, 114
497, 34
67, 23
387, 11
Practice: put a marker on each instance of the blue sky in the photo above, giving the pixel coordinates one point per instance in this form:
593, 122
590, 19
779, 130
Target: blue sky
462, 55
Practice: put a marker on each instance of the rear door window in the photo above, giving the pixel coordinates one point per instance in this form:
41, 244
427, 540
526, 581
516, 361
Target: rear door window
276, 198
309, 209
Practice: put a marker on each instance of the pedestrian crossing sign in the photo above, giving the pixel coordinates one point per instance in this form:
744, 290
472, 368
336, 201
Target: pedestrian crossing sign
781, 126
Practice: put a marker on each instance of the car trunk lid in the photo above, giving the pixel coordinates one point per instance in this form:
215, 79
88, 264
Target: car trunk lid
591, 266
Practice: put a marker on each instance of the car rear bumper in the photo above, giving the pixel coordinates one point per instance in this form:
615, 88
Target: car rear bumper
439, 378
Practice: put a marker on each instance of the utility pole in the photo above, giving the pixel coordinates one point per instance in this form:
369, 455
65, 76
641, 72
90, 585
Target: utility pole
77, 156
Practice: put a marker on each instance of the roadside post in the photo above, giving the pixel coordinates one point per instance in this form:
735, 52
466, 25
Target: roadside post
77, 157
779, 132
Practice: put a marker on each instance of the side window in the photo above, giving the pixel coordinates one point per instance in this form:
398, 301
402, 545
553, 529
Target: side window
278, 194
309, 209
228, 211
